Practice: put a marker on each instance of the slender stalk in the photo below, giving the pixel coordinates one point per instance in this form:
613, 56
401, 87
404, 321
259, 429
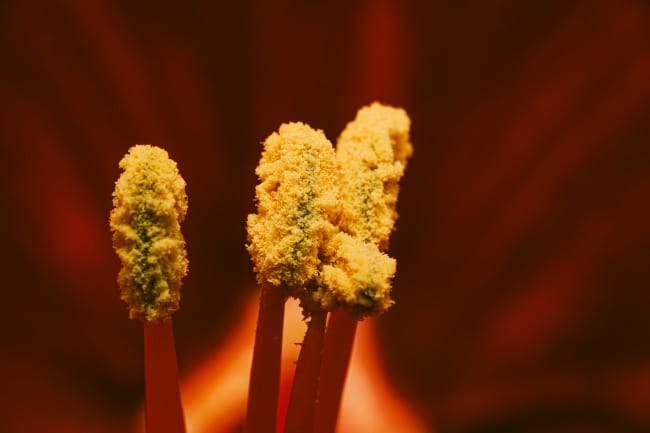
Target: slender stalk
261, 415
337, 349
304, 392
164, 410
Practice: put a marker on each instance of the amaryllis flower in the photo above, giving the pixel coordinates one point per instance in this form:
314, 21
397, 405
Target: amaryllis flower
521, 295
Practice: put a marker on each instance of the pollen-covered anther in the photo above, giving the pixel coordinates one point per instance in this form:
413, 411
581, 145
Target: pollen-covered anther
296, 199
373, 150
149, 203
358, 278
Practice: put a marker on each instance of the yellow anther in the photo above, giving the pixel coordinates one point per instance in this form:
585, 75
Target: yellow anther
149, 203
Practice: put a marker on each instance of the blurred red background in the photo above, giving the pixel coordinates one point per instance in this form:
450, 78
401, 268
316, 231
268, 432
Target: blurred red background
523, 286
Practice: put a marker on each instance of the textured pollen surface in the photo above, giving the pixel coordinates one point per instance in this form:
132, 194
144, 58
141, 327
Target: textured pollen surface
296, 200
373, 150
323, 217
149, 203
358, 277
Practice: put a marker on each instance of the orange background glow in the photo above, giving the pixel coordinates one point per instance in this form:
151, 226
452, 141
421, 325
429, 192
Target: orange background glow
523, 245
